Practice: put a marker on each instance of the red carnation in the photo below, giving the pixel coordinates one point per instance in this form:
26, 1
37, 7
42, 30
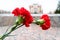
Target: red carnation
27, 17
16, 12
46, 24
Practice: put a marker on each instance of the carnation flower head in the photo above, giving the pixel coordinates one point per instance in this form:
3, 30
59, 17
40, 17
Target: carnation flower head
16, 12
47, 23
25, 14
27, 17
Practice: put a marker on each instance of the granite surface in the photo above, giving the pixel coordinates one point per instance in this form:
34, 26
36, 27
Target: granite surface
34, 32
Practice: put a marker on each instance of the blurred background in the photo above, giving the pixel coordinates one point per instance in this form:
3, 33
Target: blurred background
47, 6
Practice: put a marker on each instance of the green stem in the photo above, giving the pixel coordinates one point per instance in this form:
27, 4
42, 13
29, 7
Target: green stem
19, 26
7, 34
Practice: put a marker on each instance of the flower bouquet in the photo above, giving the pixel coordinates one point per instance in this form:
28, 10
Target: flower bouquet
24, 18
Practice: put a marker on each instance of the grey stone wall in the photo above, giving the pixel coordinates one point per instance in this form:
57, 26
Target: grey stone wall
34, 32
9, 20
